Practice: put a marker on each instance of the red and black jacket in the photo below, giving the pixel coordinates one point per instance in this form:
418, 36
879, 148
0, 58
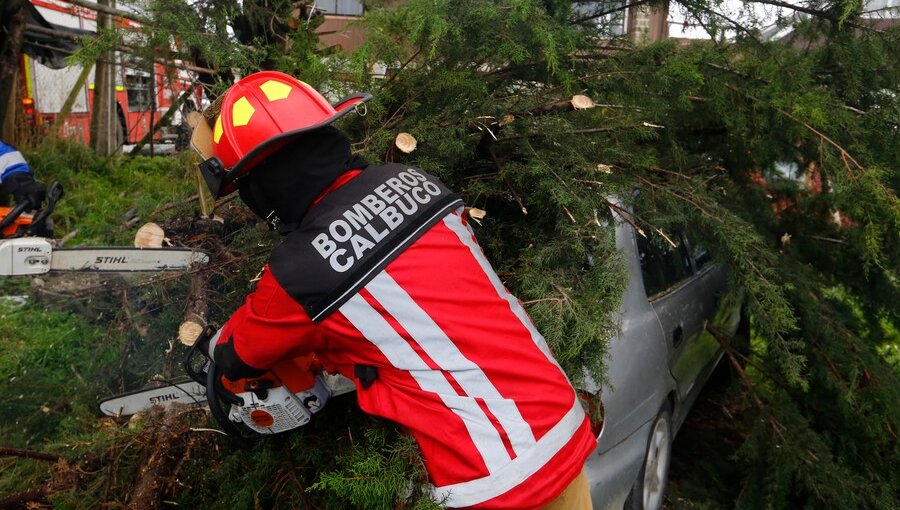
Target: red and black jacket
385, 282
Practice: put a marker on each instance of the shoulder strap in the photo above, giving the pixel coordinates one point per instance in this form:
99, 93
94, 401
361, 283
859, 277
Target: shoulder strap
355, 232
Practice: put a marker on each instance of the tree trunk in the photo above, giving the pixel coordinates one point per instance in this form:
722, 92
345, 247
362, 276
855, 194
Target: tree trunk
164, 447
12, 29
196, 310
105, 118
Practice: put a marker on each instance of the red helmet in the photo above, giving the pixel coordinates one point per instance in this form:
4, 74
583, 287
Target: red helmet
260, 114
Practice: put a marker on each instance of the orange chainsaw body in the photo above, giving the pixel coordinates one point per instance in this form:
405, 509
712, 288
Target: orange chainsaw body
296, 374
24, 220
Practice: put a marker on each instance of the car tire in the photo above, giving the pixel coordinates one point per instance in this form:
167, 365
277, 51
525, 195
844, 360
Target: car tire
649, 488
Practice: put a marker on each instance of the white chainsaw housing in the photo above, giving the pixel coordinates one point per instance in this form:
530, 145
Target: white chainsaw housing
281, 408
24, 256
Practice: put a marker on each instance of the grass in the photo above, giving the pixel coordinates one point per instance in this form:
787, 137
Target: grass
100, 191
57, 358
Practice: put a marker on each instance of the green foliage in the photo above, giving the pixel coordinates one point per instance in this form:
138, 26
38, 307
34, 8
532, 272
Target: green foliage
48, 366
99, 192
376, 474
455, 71
685, 137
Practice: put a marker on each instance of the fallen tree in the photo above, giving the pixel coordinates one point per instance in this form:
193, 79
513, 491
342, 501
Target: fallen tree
690, 137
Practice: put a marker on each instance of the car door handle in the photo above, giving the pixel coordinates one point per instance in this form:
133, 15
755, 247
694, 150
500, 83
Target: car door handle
677, 336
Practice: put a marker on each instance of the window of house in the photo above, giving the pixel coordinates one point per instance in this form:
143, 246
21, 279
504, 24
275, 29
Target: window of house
139, 90
341, 7
662, 265
614, 21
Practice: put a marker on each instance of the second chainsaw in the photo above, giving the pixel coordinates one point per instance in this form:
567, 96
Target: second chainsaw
26, 248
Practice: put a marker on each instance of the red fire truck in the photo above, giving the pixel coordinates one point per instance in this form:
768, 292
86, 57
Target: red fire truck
46, 79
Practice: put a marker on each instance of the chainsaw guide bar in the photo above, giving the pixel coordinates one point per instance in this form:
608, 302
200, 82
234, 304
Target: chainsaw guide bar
182, 390
185, 390
124, 259
29, 256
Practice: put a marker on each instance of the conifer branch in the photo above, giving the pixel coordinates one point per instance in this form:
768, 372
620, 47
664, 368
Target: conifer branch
817, 13
26, 499
687, 199
562, 105
734, 24
825, 239
730, 353
607, 12
403, 66
509, 185
543, 300
626, 215
845, 156
29, 454
585, 131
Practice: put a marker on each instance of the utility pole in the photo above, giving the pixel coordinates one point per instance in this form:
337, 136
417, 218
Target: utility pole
105, 119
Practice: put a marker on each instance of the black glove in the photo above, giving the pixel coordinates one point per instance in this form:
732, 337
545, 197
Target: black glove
22, 186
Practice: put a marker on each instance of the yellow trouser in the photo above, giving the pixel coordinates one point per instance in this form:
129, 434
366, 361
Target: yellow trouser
577, 496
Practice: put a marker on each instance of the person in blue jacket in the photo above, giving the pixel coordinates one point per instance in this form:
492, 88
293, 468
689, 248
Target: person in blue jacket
17, 180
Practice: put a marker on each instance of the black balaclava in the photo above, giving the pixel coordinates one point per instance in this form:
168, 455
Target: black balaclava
286, 183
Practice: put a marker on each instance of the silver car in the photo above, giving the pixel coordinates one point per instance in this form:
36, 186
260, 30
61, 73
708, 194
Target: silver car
657, 365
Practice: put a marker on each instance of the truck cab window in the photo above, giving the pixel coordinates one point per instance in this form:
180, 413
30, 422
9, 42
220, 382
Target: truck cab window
139, 90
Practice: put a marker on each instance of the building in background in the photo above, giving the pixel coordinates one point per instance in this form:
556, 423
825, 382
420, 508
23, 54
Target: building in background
640, 23
337, 30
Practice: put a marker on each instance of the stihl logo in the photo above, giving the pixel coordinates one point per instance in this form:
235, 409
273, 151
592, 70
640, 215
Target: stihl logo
28, 249
110, 260
164, 398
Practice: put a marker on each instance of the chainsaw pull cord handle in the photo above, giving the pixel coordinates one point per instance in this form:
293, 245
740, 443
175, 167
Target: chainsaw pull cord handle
54, 194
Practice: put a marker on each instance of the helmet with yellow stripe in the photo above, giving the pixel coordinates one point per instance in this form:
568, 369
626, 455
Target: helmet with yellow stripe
257, 116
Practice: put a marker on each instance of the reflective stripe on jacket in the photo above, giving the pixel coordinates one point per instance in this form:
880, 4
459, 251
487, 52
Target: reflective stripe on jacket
11, 161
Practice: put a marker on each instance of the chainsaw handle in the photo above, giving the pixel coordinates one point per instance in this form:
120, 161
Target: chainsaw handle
54, 194
213, 386
212, 381
200, 346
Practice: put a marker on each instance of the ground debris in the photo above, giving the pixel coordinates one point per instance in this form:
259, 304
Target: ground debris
164, 446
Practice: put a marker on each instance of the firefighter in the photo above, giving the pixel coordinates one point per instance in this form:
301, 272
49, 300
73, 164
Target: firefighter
379, 274
17, 180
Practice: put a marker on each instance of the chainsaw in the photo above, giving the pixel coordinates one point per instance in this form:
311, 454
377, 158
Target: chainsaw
27, 250
284, 398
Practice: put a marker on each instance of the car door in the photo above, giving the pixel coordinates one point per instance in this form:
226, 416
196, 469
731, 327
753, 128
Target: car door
696, 357
676, 293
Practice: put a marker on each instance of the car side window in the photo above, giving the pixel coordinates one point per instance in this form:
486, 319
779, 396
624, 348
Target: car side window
662, 265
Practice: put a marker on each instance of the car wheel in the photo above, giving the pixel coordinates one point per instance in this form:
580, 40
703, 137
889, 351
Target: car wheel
649, 488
